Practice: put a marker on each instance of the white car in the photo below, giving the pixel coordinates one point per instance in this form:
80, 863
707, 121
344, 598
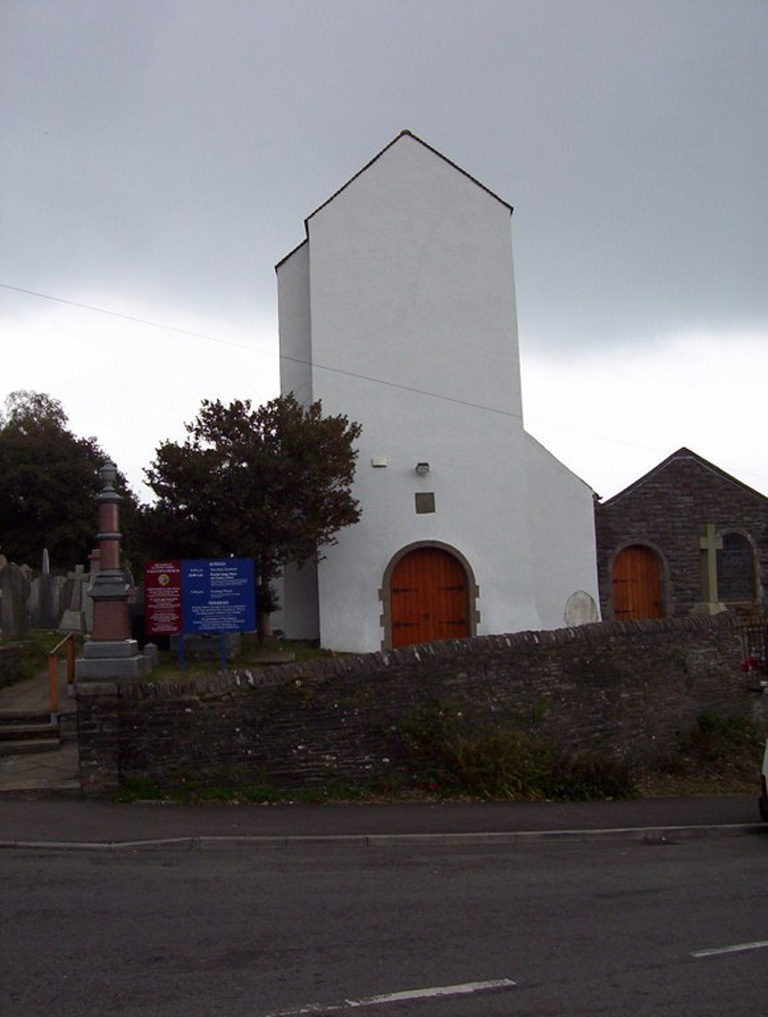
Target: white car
764, 780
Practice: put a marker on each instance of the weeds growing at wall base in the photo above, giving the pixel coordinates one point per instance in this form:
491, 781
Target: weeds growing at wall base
448, 756
445, 758
718, 754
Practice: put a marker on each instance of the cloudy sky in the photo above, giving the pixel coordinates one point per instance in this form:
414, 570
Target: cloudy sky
160, 156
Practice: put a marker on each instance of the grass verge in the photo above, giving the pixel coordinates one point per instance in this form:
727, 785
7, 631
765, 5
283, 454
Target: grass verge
34, 652
251, 655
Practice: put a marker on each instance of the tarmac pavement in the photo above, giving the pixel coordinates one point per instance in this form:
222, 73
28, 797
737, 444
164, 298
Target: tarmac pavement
41, 806
102, 825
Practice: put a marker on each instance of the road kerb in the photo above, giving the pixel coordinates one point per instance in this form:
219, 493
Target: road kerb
652, 835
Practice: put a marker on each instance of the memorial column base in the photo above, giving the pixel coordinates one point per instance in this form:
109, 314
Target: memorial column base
106, 659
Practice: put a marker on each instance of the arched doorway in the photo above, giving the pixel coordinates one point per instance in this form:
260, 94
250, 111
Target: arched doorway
428, 597
636, 584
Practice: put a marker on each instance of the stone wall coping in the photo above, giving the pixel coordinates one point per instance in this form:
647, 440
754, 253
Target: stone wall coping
85, 689
371, 663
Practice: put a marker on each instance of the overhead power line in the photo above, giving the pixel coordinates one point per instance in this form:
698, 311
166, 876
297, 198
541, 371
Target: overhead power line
120, 314
265, 353
323, 367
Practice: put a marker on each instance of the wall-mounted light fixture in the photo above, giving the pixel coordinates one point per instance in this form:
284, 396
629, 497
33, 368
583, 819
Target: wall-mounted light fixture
422, 469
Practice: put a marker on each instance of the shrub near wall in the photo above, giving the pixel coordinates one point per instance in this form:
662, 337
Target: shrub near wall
626, 688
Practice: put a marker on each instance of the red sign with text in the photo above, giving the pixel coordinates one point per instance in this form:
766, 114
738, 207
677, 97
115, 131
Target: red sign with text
162, 598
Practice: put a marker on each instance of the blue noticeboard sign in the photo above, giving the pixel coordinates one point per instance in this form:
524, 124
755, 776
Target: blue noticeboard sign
218, 595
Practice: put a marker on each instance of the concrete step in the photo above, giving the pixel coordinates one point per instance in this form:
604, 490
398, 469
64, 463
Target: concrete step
11, 717
29, 745
22, 732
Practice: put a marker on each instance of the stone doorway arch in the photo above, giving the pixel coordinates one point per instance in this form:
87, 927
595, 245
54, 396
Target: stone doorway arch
429, 593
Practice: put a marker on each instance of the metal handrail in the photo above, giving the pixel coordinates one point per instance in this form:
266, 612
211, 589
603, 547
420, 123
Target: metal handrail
68, 642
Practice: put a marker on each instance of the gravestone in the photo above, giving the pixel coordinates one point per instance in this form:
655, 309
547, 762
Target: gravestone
580, 609
33, 604
94, 561
73, 618
45, 601
43, 613
14, 595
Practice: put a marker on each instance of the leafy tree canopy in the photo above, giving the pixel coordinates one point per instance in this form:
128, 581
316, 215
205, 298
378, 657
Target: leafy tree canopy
271, 483
48, 483
28, 411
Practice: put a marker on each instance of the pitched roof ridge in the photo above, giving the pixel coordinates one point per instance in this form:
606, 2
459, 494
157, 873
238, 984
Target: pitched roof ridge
291, 253
407, 134
682, 453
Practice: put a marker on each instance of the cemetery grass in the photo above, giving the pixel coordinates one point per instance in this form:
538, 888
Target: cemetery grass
34, 652
168, 668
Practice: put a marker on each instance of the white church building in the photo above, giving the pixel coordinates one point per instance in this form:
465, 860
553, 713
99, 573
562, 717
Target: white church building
398, 310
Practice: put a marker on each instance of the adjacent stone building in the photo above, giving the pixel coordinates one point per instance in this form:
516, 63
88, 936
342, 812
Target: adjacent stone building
398, 310
653, 545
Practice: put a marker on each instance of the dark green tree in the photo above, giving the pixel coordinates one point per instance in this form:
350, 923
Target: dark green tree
48, 483
271, 483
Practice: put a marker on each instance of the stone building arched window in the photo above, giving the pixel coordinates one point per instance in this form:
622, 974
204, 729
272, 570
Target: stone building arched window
735, 568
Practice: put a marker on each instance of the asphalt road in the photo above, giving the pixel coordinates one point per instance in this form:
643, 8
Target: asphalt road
618, 927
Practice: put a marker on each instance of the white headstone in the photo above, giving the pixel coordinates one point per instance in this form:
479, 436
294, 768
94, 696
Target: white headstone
580, 609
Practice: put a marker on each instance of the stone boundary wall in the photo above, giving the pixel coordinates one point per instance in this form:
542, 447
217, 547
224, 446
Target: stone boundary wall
10, 662
628, 688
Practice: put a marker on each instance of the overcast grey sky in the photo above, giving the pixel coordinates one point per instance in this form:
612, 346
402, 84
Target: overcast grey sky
160, 156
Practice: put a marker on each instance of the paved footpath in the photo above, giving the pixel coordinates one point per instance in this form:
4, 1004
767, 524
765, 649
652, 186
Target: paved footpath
103, 825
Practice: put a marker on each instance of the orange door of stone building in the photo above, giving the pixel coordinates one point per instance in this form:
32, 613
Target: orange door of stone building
636, 584
428, 598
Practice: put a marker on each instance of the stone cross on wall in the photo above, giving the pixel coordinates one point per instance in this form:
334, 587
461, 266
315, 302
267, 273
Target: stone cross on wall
710, 542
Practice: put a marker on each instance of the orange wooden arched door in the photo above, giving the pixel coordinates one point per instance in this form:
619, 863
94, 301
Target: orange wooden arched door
636, 584
428, 598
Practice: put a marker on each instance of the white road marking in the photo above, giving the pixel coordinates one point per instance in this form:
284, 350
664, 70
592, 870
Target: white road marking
737, 948
466, 989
